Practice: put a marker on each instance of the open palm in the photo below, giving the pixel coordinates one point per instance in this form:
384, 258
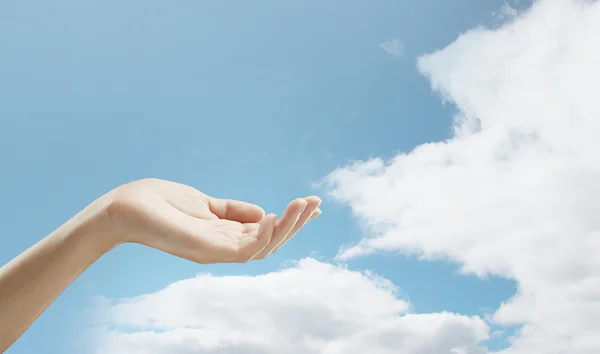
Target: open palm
185, 222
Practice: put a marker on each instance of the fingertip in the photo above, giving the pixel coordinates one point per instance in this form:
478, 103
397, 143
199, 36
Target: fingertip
255, 212
315, 214
302, 206
236, 210
271, 219
313, 199
300, 202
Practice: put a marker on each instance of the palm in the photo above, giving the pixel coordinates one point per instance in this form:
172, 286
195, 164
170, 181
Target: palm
181, 220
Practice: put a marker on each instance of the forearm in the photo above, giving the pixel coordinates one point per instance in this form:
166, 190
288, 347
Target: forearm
35, 278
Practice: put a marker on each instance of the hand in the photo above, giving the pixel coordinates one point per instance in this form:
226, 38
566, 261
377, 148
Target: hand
182, 221
165, 215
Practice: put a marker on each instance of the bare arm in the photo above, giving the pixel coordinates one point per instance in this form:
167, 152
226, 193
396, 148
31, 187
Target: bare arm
165, 215
34, 279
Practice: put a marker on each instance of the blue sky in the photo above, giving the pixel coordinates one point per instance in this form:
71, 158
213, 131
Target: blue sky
254, 102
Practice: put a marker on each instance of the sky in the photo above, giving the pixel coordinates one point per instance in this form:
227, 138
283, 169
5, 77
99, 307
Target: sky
451, 141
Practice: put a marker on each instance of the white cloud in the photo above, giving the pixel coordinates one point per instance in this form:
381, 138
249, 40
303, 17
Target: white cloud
393, 47
506, 12
515, 192
312, 307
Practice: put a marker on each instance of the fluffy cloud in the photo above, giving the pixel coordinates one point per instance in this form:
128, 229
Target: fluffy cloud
393, 47
515, 191
312, 307
512, 193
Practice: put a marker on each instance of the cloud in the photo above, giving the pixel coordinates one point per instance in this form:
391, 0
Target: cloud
393, 47
311, 307
506, 12
515, 191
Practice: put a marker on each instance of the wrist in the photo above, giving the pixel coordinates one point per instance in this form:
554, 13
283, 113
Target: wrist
93, 225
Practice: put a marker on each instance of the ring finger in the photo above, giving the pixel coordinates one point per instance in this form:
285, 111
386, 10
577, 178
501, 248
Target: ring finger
285, 225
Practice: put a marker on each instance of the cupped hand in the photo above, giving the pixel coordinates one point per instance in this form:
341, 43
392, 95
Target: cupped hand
187, 223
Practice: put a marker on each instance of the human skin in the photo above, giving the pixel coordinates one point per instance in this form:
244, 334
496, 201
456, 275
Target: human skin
168, 216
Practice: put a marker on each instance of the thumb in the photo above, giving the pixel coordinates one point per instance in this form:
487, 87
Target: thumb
235, 210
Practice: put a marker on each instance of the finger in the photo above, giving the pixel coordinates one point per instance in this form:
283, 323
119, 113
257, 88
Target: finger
255, 242
235, 210
315, 214
250, 227
312, 206
285, 225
